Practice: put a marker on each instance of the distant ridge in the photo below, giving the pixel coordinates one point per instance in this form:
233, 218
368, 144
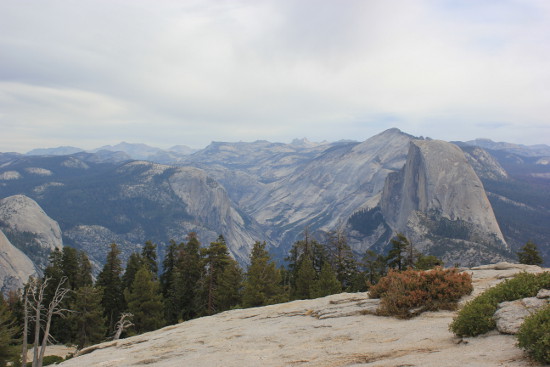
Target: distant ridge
64, 150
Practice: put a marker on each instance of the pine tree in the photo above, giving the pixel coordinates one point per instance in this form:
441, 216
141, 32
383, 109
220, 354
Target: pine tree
262, 285
70, 266
9, 350
341, 258
168, 268
145, 302
167, 283
529, 254
149, 255
229, 293
305, 277
187, 279
215, 259
375, 266
134, 263
88, 322
327, 283
398, 255
110, 280
55, 271
84, 275
306, 249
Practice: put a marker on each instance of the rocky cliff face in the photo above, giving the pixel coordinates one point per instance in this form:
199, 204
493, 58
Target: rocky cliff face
141, 201
29, 228
15, 266
324, 192
439, 202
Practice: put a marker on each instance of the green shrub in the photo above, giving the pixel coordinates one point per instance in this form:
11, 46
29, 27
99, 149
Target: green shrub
410, 292
476, 317
51, 360
534, 335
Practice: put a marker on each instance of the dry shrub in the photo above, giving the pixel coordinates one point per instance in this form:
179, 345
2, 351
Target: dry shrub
408, 293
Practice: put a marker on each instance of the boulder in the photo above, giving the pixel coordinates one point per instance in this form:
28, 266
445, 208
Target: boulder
510, 315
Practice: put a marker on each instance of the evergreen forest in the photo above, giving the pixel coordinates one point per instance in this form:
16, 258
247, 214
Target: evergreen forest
192, 281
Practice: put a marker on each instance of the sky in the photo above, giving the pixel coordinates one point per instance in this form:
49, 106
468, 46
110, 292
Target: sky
93, 72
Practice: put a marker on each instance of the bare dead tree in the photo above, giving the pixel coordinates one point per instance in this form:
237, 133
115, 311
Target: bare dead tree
30, 288
54, 309
43, 314
37, 293
122, 324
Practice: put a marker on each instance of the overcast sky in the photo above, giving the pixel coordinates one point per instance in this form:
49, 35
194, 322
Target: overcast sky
91, 73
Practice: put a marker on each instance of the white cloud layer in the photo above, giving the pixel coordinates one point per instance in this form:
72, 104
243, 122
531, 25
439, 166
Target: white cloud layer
89, 72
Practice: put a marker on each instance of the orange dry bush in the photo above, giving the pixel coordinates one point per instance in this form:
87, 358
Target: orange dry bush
408, 293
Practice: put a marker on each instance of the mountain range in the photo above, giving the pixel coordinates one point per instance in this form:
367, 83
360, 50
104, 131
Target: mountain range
467, 202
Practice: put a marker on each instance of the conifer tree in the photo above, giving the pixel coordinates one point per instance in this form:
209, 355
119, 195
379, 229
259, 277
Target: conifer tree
55, 272
84, 275
73, 265
110, 280
149, 255
305, 277
167, 283
215, 259
70, 267
327, 283
145, 302
306, 249
9, 350
229, 292
375, 266
187, 280
529, 254
341, 258
262, 285
397, 256
87, 320
168, 268
134, 263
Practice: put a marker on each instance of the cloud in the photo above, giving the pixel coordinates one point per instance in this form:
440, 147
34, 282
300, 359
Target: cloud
172, 72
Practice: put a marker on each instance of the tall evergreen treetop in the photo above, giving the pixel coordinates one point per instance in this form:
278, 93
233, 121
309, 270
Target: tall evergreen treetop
262, 285
110, 280
87, 320
215, 259
149, 254
134, 263
145, 301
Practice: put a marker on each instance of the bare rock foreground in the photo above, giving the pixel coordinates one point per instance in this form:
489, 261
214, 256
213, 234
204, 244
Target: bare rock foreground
331, 331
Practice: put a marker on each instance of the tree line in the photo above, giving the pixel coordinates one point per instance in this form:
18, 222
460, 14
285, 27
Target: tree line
194, 281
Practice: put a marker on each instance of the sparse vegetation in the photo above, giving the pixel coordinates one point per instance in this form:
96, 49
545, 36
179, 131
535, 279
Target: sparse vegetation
410, 292
476, 317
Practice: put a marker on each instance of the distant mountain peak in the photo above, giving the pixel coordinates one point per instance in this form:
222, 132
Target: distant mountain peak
305, 143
